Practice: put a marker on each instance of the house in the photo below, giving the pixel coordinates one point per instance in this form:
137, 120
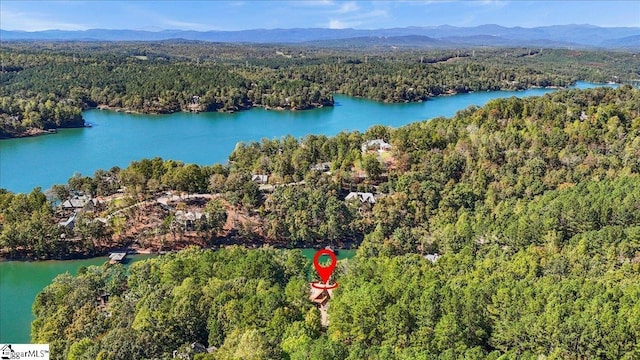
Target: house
364, 197
94, 204
194, 348
188, 218
432, 257
76, 202
325, 166
117, 257
188, 215
260, 178
320, 296
377, 144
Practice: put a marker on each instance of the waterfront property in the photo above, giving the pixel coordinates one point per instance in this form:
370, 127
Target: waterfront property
187, 136
17, 295
117, 257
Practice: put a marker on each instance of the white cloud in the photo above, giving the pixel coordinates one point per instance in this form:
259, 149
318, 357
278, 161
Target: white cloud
492, 3
356, 19
425, 2
30, 21
164, 20
186, 25
312, 3
339, 24
348, 7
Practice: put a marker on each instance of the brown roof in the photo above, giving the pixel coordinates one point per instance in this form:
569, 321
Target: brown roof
320, 295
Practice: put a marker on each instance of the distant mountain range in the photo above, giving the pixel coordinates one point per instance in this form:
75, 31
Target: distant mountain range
445, 36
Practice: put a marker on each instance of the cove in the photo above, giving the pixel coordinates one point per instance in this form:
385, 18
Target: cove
118, 138
21, 281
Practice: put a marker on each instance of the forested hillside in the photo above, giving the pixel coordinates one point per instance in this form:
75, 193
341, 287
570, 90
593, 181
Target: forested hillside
46, 85
504, 173
534, 205
480, 303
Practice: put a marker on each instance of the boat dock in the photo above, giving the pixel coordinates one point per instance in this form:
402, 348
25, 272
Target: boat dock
117, 257
335, 252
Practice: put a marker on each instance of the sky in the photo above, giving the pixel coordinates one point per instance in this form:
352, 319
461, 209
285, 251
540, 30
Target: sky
261, 14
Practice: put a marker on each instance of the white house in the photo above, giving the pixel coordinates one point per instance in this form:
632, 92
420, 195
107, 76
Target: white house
364, 197
76, 202
377, 144
260, 178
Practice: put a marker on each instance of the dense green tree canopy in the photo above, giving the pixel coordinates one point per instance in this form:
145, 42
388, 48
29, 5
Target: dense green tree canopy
46, 85
532, 204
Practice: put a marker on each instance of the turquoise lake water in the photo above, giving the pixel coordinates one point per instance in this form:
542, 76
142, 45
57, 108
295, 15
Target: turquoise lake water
205, 138
21, 281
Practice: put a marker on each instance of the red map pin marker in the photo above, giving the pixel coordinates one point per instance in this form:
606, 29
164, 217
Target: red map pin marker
325, 272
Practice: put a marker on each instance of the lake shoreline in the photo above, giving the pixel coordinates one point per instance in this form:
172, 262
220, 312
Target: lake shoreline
186, 137
222, 242
311, 106
34, 132
314, 106
38, 132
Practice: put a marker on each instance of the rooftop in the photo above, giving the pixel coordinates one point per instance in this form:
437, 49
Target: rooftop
362, 196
